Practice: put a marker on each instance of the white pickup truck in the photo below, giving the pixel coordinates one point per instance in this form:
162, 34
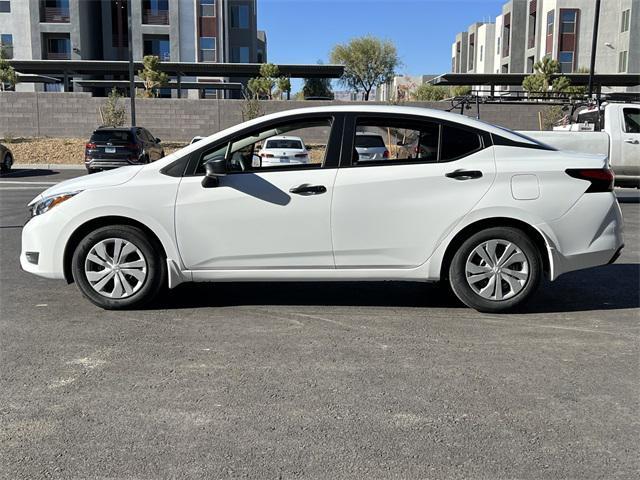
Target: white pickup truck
619, 137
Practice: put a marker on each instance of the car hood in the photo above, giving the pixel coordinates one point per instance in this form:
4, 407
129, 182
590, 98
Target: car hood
109, 178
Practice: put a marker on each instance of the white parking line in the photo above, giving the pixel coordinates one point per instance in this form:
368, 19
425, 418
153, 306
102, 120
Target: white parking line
18, 182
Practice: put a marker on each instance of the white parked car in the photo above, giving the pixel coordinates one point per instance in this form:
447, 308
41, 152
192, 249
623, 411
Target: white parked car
281, 150
371, 146
490, 211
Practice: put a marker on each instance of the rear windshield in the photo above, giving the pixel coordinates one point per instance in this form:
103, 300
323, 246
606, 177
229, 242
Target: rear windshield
293, 144
369, 141
119, 136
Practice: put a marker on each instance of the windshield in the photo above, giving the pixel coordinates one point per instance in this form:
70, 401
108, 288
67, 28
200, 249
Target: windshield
286, 144
369, 141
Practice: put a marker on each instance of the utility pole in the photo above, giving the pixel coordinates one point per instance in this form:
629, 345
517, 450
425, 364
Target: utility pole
594, 46
132, 80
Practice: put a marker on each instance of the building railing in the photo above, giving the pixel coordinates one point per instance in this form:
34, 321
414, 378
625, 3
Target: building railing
58, 56
54, 15
155, 17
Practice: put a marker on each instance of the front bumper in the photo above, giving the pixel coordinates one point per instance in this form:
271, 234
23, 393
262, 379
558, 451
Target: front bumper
43, 235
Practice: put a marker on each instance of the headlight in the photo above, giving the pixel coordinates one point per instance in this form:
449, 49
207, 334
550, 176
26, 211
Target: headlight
46, 204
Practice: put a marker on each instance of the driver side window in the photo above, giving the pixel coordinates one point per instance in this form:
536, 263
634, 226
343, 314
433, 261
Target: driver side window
293, 145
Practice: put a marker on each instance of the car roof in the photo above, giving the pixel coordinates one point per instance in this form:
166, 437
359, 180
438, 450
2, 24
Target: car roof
115, 129
284, 137
429, 113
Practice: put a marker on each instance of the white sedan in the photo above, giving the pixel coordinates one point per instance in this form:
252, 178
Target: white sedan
488, 210
281, 150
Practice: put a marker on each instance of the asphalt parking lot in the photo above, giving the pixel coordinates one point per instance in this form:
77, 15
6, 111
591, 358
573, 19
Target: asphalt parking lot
382, 380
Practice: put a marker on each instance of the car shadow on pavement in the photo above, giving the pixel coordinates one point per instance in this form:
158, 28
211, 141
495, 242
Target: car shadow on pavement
612, 287
28, 172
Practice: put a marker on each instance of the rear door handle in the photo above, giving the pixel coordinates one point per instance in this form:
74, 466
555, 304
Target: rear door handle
464, 174
305, 189
632, 141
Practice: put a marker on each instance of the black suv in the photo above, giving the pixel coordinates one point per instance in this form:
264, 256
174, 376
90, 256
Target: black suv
118, 147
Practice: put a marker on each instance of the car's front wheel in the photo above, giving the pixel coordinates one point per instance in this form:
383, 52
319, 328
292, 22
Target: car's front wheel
118, 267
496, 270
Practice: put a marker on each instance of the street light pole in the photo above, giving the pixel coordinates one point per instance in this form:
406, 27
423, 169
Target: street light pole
132, 82
594, 46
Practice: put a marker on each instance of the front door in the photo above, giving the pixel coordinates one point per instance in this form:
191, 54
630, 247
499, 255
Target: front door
393, 213
630, 142
271, 217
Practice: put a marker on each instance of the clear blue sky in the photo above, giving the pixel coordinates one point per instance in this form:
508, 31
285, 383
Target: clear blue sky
304, 31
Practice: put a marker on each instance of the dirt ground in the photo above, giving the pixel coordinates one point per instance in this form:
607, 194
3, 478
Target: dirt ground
57, 150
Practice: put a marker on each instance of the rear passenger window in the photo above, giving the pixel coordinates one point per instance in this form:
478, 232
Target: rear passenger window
458, 143
383, 141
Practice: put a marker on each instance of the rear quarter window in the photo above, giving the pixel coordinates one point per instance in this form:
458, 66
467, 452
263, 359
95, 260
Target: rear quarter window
458, 143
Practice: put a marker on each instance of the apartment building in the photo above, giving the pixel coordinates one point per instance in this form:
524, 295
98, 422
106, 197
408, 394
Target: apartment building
528, 30
174, 30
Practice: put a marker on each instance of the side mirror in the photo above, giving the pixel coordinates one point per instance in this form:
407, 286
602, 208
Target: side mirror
256, 161
214, 170
158, 140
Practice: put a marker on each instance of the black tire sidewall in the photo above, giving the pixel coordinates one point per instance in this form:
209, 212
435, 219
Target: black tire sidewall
7, 162
457, 274
156, 268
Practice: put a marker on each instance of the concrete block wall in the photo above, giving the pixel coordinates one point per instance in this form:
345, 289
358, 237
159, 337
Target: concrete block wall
76, 115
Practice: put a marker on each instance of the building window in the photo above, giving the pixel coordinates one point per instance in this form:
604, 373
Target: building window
54, 11
119, 30
626, 16
569, 19
472, 50
533, 17
155, 12
550, 22
157, 45
207, 8
506, 34
622, 61
5, 6
531, 61
240, 55
6, 46
481, 52
57, 47
207, 49
498, 46
566, 62
240, 16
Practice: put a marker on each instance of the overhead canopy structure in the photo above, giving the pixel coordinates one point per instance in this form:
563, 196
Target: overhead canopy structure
124, 84
188, 69
516, 79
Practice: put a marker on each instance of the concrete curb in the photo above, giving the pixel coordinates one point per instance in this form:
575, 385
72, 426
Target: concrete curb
47, 166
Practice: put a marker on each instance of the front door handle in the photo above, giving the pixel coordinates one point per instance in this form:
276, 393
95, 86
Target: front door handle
464, 174
305, 189
632, 141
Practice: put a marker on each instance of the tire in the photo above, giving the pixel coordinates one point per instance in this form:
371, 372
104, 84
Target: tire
7, 162
139, 284
471, 275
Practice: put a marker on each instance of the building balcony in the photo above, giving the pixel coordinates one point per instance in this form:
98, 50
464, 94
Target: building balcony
155, 17
54, 15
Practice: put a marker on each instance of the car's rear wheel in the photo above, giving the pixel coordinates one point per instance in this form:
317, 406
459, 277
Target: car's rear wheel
118, 267
6, 164
496, 270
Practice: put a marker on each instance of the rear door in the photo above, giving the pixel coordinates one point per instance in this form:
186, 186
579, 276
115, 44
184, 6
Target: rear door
393, 213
